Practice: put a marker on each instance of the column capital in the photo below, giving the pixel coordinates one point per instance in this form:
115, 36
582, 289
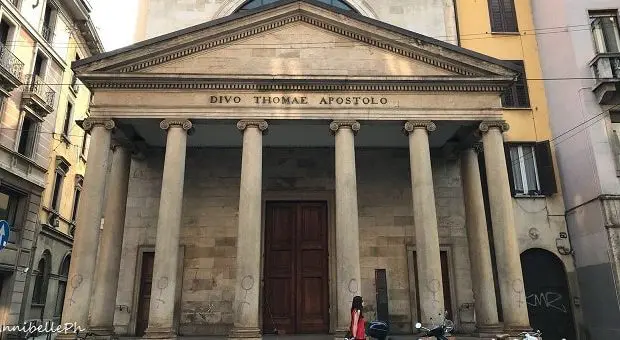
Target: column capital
488, 124
419, 124
257, 123
347, 124
89, 123
183, 123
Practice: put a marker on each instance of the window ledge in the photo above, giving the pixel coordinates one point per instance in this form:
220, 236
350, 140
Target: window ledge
37, 305
83, 158
65, 138
506, 33
56, 213
517, 108
529, 196
24, 158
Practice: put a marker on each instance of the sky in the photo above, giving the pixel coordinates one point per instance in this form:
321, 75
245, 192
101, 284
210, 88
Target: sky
115, 21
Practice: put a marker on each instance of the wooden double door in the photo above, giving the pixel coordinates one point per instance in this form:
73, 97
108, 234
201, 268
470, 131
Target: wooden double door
295, 295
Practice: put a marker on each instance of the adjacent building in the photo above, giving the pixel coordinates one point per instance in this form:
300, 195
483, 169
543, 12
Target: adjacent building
579, 44
261, 178
42, 153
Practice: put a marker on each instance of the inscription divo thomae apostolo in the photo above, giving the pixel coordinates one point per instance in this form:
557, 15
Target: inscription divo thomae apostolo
300, 100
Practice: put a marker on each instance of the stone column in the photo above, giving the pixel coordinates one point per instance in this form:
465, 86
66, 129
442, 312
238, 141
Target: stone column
425, 221
510, 276
348, 276
247, 291
83, 258
485, 305
163, 297
109, 261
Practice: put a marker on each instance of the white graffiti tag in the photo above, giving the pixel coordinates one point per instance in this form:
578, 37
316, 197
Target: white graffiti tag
551, 300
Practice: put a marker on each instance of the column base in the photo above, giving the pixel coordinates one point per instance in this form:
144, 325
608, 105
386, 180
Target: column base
485, 330
160, 333
102, 333
245, 334
66, 336
516, 329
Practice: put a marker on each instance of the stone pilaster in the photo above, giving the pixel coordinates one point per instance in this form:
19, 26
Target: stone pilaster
163, 292
88, 222
425, 221
108, 263
348, 275
247, 291
485, 304
510, 276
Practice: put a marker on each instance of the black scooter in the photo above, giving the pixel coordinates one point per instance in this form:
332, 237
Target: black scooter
438, 332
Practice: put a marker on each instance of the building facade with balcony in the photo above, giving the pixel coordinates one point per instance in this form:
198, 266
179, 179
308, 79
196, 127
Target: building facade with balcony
579, 45
39, 141
246, 233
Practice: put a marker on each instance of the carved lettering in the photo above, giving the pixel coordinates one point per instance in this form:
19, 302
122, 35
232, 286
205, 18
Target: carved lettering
300, 100
225, 99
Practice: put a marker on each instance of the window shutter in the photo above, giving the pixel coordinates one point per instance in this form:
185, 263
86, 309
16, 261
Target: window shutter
511, 180
509, 16
546, 173
495, 12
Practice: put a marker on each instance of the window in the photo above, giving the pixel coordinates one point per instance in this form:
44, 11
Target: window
517, 95
5, 28
39, 65
252, 4
530, 169
27, 136
503, 16
63, 274
85, 145
62, 167
605, 31
49, 22
9, 206
41, 280
79, 181
67, 123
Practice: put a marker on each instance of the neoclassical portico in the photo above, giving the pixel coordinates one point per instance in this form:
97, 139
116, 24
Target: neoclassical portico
295, 182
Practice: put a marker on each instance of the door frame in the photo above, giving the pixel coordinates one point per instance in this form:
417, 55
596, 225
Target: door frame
443, 246
303, 196
133, 309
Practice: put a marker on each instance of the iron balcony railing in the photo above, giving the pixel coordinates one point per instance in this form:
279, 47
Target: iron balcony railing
47, 33
10, 62
606, 66
37, 86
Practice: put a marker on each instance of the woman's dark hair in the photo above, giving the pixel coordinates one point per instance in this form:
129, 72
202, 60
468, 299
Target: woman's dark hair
357, 305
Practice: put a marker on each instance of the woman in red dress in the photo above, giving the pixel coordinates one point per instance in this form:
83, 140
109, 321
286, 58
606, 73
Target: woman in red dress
358, 324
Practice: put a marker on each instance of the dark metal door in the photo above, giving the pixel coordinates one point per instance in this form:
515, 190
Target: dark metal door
548, 299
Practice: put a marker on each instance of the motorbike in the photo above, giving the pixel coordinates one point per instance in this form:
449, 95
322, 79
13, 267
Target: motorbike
439, 332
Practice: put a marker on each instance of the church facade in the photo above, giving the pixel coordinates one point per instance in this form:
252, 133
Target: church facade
268, 166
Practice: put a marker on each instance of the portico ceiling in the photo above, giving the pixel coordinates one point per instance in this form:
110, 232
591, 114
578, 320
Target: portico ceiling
210, 133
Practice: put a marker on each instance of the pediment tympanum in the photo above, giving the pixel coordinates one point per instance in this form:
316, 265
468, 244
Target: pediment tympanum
295, 41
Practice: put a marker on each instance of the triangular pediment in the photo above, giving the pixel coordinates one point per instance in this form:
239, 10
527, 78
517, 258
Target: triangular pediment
297, 39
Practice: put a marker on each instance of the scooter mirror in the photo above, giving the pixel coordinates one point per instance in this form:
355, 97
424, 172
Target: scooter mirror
418, 325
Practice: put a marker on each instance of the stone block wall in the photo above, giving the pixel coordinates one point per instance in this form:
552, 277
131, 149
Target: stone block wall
209, 226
